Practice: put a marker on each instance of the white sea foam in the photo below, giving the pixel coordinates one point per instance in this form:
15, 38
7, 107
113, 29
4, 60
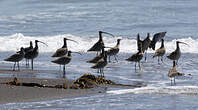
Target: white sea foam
15, 41
158, 90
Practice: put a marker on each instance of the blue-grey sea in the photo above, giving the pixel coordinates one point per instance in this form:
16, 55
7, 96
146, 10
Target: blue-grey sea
22, 21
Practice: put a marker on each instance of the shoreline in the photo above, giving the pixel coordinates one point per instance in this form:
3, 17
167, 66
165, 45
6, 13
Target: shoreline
18, 94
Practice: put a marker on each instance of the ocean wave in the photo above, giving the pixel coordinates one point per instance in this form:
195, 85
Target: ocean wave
188, 90
15, 41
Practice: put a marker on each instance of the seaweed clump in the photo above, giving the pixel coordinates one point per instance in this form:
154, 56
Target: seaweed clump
89, 81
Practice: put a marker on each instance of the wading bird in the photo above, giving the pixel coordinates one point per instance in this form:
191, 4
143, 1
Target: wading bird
160, 51
174, 73
97, 47
101, 64
136, 58
27, 49
97, 58
157, 37
63, 50
63, 60
33, 53
145, 44
175, 55
114, 51
16, 58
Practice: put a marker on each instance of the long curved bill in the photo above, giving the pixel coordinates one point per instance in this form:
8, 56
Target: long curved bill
183, 43
72, 40
43, 43
77, 53
108, 33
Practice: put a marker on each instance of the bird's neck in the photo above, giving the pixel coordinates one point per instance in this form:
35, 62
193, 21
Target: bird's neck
65, 44
69, 54
178, 46
162, 44
100, 36
118, 44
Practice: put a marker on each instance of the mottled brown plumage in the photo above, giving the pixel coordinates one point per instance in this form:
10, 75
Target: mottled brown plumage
97, 58
101, 64
172, 73
63, 50
33, 53
114, 51
175, 55
136, 58
64, 60
160, 51
16, 58
97, 47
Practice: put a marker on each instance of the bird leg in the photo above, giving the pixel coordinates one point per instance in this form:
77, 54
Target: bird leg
18, 66
135, 66
171, 81
109, 59
115, 58
174, 81
139, 65
14, 66
162, 59
145, 54
158, 59
32, 64
63, 71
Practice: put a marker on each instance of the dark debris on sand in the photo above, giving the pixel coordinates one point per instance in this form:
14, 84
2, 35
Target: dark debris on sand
84, 82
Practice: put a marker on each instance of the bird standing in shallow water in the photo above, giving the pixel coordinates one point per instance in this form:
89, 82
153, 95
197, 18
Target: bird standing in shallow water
27, 49
145, 44
96, 58
136, 58
174, 73
63, 50
97, 47
175, 55
63, 60
16, 58
114, 51
32, 54
160, 51
101, 64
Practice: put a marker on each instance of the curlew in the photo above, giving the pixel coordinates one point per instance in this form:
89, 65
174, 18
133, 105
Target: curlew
97, 47
160, 51
27, 49
16, 58
174, 73
97, 58
101, 64
175, 55
145, 44
114, 51
157, 37
63, 50
63, 60
33, 53
136, 58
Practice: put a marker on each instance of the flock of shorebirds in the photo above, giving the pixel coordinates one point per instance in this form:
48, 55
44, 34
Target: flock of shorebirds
100, 61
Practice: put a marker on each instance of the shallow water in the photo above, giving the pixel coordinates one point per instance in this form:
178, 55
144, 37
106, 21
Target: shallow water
159, 94
50, 21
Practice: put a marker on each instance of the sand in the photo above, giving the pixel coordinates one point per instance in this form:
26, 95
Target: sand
14, 94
